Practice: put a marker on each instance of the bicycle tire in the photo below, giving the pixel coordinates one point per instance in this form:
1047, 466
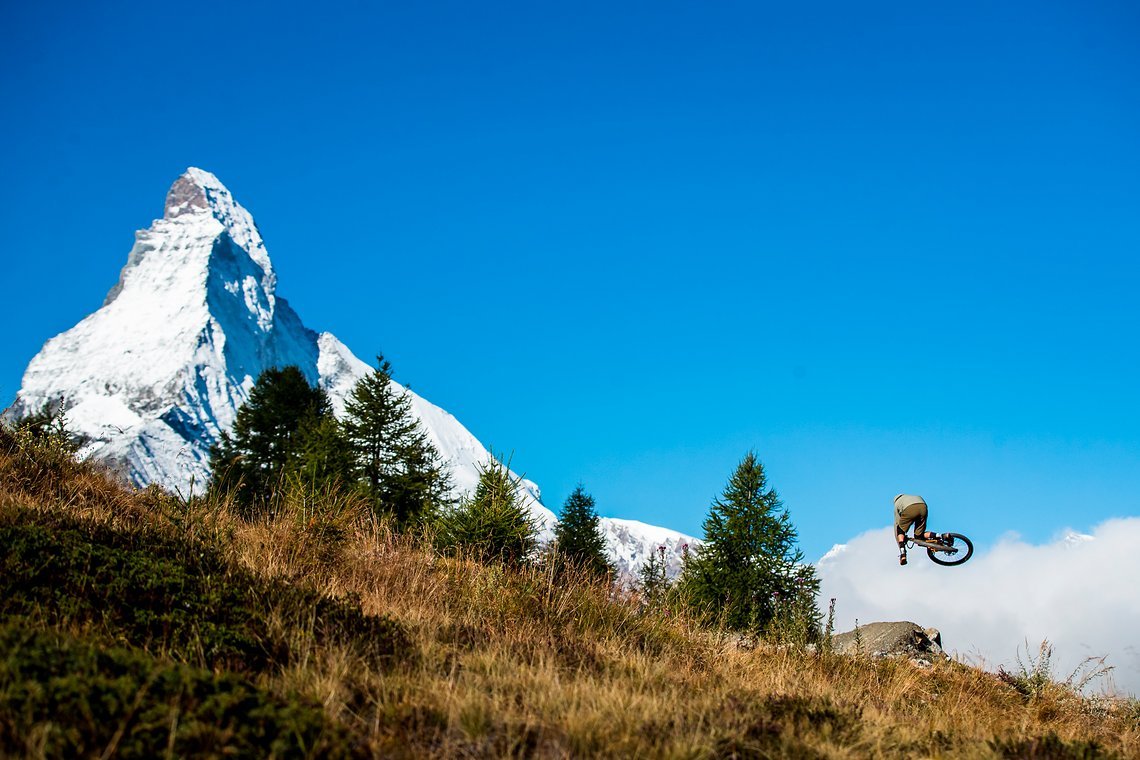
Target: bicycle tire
958, 537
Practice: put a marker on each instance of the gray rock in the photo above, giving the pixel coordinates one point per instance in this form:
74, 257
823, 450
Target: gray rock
901, 639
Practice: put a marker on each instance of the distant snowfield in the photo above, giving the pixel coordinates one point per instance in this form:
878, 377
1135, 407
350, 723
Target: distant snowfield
1081, 592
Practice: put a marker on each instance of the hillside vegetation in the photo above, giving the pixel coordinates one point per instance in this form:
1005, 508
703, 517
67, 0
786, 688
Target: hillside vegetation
136, 624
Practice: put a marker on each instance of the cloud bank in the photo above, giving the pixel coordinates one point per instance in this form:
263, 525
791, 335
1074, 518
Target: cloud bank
1080, 592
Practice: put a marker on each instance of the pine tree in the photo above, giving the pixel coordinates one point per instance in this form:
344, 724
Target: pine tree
400, 470
748, 567
653, 579
422, 487
493, 523
323, 456
578, 536
250, 462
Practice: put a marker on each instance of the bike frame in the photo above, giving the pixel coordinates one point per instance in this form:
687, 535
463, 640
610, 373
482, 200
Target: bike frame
935, 545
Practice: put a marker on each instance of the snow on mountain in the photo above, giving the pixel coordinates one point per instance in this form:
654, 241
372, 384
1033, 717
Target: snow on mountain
630, 544
832, 555
155, 375
1073, 539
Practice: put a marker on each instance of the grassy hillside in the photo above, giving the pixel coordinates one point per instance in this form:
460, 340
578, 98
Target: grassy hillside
133, 624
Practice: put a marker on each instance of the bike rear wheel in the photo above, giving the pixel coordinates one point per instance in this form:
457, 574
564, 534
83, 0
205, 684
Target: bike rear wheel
965, 550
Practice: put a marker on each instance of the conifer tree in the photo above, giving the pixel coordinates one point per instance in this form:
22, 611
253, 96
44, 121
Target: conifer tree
578, 536
250, 461
324, 458
493, 523
422, 487
748, 567
653, 578
399, 469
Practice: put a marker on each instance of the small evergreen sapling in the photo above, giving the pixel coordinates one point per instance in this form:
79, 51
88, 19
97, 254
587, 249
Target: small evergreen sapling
654, 579
324, 459
578, 536
493, 523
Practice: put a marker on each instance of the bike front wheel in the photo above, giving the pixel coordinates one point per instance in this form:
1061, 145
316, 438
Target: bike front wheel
963, 545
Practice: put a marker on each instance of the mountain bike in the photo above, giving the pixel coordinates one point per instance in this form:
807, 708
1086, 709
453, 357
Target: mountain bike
948, 549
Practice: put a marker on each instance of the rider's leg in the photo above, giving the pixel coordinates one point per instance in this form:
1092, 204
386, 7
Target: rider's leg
903, 520
920, 530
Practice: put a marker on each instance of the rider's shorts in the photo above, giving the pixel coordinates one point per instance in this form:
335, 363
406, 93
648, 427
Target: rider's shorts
912, 514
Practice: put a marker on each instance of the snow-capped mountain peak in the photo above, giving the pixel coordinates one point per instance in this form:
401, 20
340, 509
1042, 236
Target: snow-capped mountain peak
186, 196
198, 191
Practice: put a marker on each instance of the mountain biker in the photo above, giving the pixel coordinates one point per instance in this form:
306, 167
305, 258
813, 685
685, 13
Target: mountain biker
910, 510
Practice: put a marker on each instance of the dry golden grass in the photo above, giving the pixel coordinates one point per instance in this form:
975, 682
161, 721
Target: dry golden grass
524, 663
518, 662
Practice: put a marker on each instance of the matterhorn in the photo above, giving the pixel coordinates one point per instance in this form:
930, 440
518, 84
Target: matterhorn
154, 377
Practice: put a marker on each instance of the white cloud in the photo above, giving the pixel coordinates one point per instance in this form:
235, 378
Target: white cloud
1080, 593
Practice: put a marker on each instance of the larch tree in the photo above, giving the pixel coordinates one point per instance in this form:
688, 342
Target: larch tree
398, 468
748, 570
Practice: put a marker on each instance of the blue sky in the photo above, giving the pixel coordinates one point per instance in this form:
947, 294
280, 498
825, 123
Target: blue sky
887, 247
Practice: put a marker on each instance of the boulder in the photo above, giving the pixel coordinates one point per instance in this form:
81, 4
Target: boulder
902, 639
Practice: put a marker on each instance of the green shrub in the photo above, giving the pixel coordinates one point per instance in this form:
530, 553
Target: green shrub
66, 697
167, 595
494, 524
